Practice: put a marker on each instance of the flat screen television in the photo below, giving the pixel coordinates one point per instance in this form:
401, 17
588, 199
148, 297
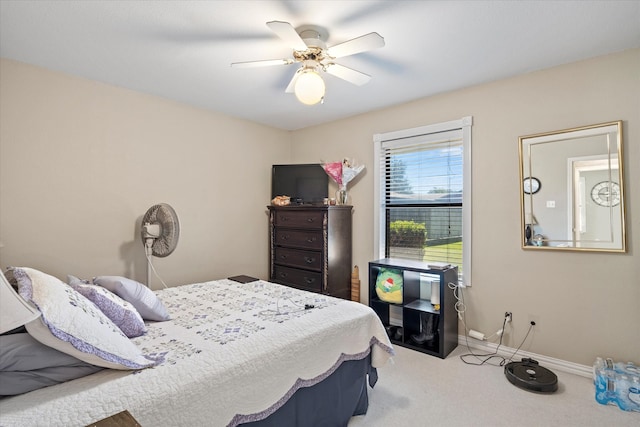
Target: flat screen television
306, 184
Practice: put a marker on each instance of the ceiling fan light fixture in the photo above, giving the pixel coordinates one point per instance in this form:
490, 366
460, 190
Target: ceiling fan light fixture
309, 88
310, 49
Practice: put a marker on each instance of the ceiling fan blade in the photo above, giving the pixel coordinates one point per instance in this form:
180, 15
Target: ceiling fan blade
348, 74
359, 44
263, 63
292, 84
286, 32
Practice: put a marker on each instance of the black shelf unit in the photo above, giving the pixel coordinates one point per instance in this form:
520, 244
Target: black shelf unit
415, 308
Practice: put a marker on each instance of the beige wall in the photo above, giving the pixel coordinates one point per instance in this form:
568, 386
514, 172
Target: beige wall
81, 162
585, 304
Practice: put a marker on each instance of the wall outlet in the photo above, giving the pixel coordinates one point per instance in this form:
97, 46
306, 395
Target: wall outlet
534, 318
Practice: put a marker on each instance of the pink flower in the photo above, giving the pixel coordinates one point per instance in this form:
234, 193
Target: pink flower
334, 170
342, 172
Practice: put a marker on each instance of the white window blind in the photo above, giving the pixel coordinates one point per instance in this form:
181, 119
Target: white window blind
421, 193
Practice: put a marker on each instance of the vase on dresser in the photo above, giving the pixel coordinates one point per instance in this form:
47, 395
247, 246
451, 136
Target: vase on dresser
342, 196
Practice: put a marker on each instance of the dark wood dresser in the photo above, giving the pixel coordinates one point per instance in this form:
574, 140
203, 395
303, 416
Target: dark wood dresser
310, 248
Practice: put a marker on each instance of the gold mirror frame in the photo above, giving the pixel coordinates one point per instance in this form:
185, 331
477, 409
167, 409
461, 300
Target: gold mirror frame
578, 204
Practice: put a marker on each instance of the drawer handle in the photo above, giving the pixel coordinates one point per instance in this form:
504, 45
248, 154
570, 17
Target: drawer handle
283, 256
310, 220
284, 237
309, 280
309, 260
283, 275
284, 218
311, 239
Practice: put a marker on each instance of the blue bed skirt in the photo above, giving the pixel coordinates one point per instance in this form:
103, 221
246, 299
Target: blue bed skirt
331, 402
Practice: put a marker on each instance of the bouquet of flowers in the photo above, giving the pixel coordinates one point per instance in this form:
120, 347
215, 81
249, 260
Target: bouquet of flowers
342, 173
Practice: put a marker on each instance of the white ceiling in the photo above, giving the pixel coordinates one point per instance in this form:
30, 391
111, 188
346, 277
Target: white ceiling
182, 50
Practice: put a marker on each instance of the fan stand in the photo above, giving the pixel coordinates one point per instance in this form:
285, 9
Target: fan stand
150, 233
148, 251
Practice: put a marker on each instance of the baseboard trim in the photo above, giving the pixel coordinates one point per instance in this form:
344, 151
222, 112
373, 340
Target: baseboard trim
546, 361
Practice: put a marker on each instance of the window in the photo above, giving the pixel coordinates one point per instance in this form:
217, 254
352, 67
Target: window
423, 194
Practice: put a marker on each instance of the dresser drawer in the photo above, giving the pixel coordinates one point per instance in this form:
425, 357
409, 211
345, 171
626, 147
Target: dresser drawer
298, 238
301, 279
297, 258
303, 219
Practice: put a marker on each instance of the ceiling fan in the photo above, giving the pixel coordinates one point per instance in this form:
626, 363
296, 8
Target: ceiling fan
313, 55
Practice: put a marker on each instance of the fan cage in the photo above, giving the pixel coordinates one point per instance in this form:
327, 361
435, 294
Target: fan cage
165, 216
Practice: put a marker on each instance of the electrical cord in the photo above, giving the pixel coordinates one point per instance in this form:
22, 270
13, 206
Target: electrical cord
459, 305
460, 308
531, 325
277, 311
155, 272
485, 358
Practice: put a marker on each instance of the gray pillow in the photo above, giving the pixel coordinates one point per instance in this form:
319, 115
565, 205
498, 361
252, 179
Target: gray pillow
26, 365
141, 297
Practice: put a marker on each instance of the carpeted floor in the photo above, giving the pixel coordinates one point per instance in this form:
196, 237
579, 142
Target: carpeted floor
422, 390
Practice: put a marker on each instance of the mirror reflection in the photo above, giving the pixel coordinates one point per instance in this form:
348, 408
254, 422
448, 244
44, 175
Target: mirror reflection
572, 194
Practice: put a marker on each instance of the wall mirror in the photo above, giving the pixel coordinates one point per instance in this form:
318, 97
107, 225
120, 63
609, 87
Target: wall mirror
572, 189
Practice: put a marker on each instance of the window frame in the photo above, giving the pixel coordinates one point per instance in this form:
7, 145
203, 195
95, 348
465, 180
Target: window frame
464, 125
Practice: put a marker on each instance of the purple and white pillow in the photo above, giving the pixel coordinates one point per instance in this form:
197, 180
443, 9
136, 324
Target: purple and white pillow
121, 312
72, 324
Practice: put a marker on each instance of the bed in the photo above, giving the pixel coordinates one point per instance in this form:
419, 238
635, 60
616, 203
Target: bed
232, 353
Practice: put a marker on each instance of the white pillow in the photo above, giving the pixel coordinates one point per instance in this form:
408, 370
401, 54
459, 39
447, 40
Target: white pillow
141, 297
121, 312
72, 324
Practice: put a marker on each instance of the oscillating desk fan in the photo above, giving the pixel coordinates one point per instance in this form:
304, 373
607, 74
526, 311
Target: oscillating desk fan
160, 231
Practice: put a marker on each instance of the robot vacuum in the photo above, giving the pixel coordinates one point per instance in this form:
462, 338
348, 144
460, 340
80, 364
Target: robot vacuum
528, 375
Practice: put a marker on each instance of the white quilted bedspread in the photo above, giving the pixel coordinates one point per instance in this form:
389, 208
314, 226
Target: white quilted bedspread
231, 351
